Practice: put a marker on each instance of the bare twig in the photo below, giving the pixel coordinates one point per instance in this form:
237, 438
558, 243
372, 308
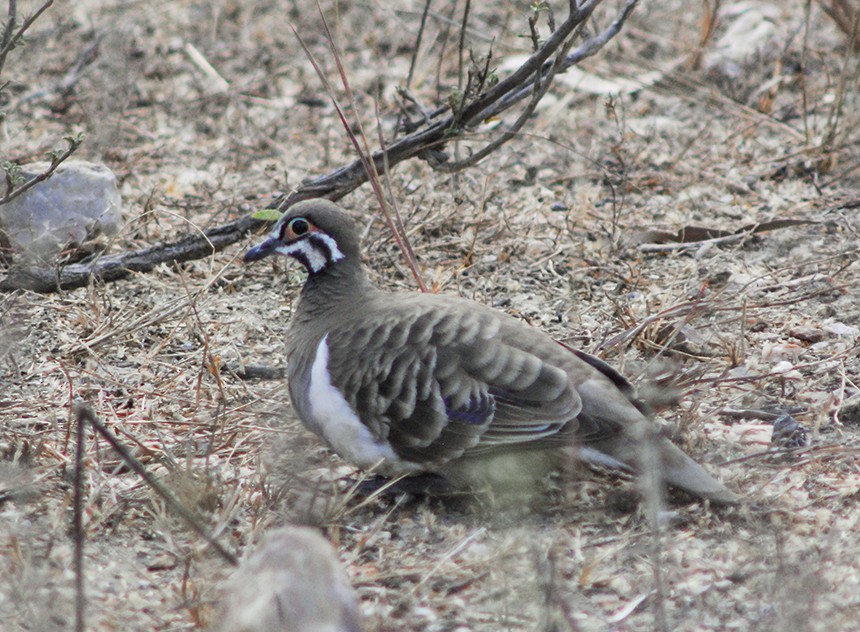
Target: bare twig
521, 82
119, 266
419, 38
693, 245
57, 158
394, 223
513, 94
461, 45
78, 519
398, 227
172, 503
539, 88
10, 37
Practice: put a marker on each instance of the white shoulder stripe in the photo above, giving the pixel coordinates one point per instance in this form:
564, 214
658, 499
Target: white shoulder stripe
332, 418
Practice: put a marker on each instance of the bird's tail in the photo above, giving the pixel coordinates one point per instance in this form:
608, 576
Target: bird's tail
672, 464
679, 470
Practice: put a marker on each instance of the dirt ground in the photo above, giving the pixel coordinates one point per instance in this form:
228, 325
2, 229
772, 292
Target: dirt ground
557, 228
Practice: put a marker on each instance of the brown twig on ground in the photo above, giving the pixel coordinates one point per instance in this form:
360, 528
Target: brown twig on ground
119, 266
176, 507
422, 142
78, 519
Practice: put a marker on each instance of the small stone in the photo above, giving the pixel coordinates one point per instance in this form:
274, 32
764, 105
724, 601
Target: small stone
841, 329
77, 202
292, 583
806, 333
787, 433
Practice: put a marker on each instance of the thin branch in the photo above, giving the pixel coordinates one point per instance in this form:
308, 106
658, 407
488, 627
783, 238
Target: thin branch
461, 44
535, 63
395, 223
56, 161
540, 86
11, 38
78, 521
409, 253
371, 168
418, 40
587, 49
169, 499
119, 266
8, 29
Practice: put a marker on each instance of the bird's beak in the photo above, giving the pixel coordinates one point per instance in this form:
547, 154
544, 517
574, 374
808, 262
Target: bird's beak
261, 250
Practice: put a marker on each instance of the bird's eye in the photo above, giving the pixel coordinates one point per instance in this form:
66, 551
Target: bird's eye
298, 226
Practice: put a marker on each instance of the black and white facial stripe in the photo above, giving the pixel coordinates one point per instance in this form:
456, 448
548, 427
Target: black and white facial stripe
299, 238
315, 251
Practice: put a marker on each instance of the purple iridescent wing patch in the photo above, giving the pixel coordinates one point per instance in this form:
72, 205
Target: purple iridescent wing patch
476, 411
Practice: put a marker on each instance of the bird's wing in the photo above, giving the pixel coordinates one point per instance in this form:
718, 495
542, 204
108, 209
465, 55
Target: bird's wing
437, 381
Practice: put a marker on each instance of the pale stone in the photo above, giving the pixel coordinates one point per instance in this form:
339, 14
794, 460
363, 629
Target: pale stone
293, 582
78, 202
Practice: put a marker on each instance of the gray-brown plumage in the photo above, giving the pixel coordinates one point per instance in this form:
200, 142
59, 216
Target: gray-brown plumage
412, 382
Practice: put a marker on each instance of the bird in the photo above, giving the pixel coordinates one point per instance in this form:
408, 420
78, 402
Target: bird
408, 383
292, 582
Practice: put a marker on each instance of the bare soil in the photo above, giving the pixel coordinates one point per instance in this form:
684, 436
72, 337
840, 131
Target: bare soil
556, 228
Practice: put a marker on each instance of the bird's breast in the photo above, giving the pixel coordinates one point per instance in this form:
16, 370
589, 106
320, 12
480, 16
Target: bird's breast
330, 416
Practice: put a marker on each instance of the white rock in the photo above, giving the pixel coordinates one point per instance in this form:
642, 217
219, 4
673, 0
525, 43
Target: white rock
841, 329
753, 28
78, 202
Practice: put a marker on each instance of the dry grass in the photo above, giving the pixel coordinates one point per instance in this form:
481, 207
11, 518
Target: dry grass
546, 229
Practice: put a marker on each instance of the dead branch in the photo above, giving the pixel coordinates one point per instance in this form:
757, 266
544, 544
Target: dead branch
121, 265
846, 14
10, 37
425, 141
57, 156
85, 414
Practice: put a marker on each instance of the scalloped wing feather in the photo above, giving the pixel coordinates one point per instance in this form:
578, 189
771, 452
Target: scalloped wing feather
439, 382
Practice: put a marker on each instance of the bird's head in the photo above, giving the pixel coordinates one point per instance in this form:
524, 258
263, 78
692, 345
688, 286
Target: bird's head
317, 233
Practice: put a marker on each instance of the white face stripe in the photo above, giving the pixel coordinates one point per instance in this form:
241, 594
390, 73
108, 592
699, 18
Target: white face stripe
316, 257
336, 254
334, 420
